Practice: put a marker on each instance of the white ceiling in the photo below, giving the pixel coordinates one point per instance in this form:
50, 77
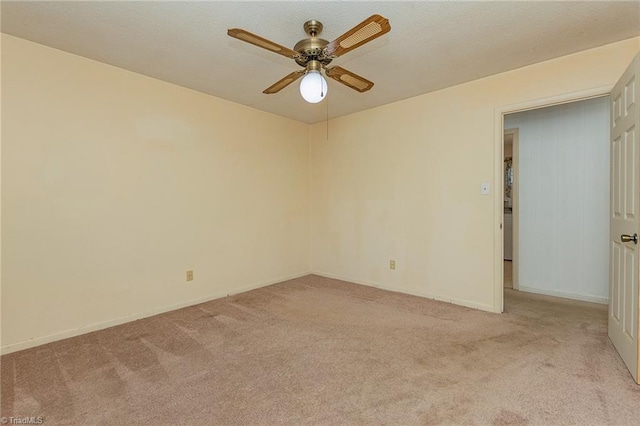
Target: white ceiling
431, 45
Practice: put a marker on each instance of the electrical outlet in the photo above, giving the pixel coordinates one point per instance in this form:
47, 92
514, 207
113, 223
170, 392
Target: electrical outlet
392, 264
189, 275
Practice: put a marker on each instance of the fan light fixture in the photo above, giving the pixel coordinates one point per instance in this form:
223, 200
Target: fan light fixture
313, 87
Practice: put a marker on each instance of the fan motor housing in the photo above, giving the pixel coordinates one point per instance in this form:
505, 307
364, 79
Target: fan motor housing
312, 48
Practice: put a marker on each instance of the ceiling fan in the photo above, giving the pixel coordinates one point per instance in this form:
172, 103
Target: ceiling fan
314, 54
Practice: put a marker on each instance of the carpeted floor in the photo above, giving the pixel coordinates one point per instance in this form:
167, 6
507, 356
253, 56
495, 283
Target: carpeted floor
321, 351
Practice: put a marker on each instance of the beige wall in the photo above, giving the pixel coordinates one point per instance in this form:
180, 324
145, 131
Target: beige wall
402, 181
114, 184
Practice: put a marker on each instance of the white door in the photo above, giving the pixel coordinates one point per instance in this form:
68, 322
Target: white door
625, 218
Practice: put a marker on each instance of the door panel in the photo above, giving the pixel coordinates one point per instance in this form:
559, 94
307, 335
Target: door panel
629, 288
614, 299
616, 156
630, 171
624, 297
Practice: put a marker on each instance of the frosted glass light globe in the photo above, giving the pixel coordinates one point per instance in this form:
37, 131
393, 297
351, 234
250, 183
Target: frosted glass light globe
313, 87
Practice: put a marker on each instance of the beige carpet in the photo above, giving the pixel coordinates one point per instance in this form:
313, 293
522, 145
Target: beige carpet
320, 351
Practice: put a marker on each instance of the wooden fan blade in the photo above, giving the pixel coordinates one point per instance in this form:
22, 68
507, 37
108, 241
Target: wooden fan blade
261, 42
284, 82
349, 79
369, 29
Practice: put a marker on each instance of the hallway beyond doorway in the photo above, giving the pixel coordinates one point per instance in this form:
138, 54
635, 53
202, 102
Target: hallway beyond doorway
508, 274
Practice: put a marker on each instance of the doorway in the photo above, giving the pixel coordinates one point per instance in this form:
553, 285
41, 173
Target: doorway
510, 205
499, 115
557, 193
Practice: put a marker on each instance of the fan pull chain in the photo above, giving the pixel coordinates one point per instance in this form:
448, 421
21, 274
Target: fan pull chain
327, 119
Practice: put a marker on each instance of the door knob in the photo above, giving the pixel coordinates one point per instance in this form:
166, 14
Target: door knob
626, 238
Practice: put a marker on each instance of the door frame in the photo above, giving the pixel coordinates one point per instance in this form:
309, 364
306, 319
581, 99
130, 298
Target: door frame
515, 205
498, 175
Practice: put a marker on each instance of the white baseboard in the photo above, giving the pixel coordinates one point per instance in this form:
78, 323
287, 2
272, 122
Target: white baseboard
37, 341
460, 302
582, 297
